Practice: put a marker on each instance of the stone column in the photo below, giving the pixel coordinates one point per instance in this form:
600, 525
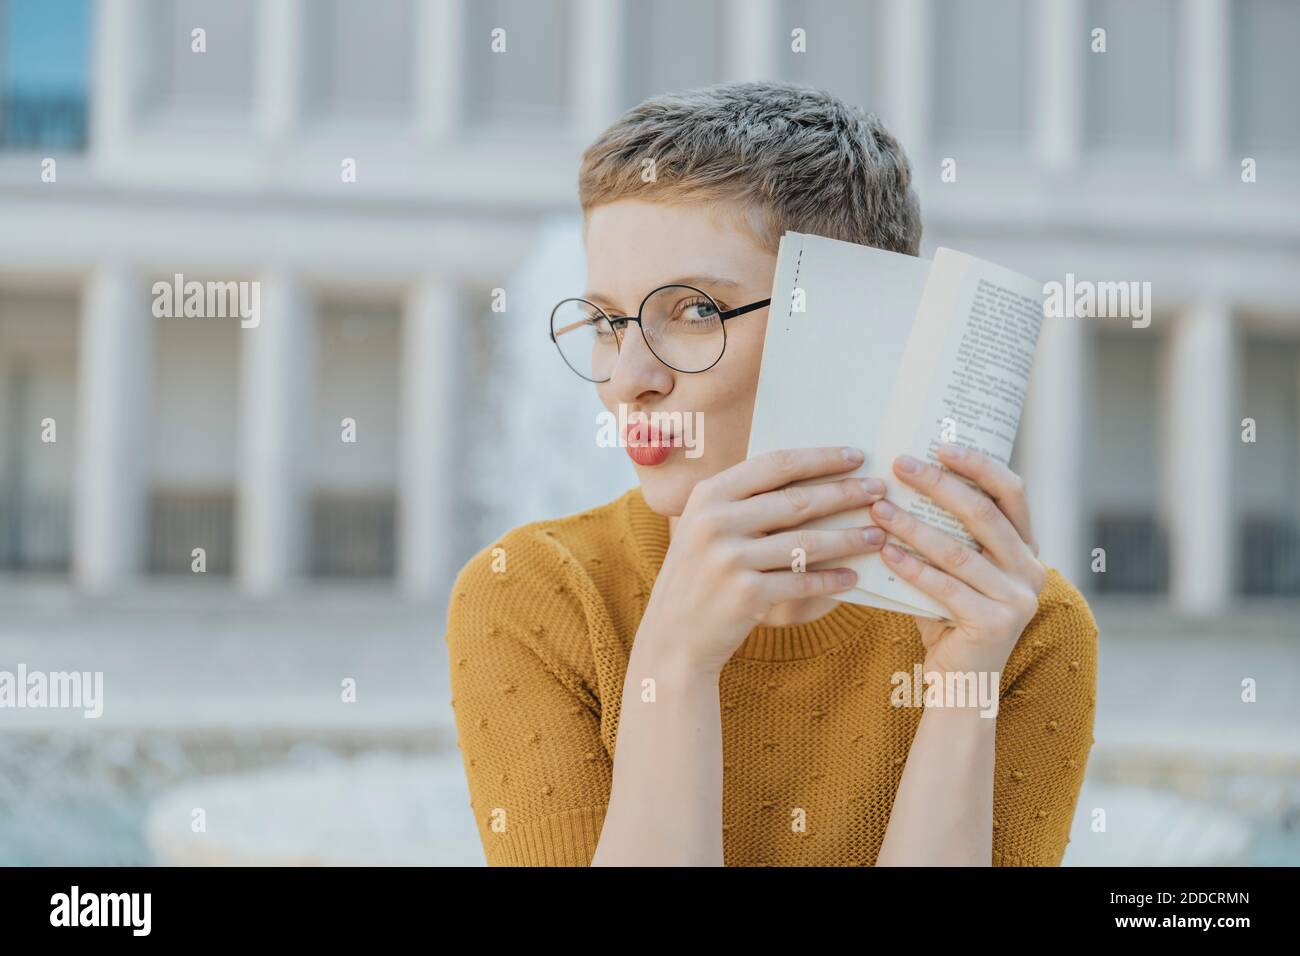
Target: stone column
279, 65
277, 404
1201, 407
116, 419
1204, 58
1056, 59
751, 38
597, 75
114, 90
439, 65
1053, 431
908, 64
433, 321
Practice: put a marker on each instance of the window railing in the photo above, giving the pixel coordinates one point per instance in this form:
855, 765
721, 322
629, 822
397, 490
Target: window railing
1137, 555
179, 522
35, 532
1270, 556
42, 120
353, 535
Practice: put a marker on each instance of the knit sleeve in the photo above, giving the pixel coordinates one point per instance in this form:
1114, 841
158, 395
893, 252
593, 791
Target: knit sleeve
1044, 736
527, 722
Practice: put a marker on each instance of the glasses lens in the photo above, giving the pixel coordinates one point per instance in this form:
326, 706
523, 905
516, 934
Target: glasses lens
682, 326
586, 339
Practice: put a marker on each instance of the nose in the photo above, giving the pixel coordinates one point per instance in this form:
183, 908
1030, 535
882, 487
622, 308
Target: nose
638, 374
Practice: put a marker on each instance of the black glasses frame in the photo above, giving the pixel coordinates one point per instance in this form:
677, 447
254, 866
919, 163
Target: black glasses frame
619, 324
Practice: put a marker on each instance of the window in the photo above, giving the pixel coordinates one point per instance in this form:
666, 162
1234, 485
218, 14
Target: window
44, 52
527, 84
671, 46
179, 79
354, 489
842, 48
1265, 75
1123, 465
1268, 469
1131, 103
359, 57
980, 83
195, 444
38, 380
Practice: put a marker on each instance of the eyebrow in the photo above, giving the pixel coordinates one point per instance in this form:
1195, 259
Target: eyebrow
700, 281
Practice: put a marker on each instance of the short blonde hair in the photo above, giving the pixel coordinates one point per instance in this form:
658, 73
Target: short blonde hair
791, 157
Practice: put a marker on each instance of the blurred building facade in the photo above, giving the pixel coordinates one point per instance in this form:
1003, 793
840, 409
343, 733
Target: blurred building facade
235, 164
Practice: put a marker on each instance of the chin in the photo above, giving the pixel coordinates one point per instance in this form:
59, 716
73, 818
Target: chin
666, 494
667, 487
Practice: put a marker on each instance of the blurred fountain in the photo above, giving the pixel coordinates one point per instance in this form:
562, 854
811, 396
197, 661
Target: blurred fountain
379, 809
543, 460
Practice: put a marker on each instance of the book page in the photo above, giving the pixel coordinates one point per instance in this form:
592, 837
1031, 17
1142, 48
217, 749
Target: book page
963, 379
836, 331
839, 323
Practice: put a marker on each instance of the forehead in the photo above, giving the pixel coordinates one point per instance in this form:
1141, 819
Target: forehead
634, 245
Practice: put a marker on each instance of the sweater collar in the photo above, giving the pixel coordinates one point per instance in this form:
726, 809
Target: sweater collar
649, 531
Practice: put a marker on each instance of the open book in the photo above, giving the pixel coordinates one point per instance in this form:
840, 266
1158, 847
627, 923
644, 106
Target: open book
893, 354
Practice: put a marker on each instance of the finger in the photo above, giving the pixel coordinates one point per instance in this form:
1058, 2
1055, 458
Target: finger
976, 510
781, 586
997, 481
811, 546
796, 504
944, 551
964, 602
777, 468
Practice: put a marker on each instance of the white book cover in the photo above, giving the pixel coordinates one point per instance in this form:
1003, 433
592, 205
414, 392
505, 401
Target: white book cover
893, 354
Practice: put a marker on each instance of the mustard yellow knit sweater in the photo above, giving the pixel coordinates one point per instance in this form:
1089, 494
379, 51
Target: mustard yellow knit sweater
539, 630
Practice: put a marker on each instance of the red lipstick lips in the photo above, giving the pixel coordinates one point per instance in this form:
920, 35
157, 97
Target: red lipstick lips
645, 446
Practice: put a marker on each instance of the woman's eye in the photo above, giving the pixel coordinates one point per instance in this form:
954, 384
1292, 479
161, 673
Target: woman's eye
699, 310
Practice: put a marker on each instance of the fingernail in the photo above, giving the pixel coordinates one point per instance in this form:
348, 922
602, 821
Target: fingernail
872, 486
885, 510
873, 535
845, 578
951, 450
892, 552
853, 454
908, 464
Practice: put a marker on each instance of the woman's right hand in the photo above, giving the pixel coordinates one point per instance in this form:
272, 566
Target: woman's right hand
732, 554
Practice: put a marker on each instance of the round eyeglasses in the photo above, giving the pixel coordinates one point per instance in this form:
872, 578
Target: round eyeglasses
682, 325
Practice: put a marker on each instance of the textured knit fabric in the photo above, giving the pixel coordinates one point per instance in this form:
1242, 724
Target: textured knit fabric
540, 627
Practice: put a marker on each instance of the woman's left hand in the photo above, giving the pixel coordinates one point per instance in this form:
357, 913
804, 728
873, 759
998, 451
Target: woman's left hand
991, 594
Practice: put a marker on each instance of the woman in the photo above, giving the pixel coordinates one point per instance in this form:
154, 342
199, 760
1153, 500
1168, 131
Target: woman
653, 681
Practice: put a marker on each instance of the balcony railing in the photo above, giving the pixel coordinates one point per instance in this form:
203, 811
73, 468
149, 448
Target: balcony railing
1270, 556
35, 532
1137, 555
179, 522
42, 121
353, 535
